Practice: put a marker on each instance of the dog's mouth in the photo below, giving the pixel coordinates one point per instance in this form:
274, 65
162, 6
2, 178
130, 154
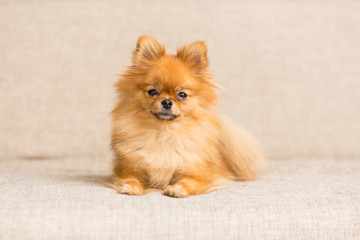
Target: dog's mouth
165, 116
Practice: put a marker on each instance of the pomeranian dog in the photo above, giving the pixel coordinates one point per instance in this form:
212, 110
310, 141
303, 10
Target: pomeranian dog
166, 134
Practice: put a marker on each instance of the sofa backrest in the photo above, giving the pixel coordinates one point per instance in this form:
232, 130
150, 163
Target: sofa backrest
291, 70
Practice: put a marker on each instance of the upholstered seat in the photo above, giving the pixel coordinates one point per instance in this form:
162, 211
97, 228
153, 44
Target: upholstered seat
291, 74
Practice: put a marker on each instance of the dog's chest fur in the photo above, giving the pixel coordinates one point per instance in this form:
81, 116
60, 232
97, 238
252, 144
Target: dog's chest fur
163, 153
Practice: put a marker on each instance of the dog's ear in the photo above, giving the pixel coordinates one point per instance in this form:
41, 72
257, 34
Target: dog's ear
147, 50
195, 55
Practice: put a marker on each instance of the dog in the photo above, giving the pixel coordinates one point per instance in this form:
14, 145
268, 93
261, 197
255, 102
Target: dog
166, 133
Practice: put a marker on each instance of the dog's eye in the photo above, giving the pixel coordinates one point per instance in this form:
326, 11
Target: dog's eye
182, 95
153, 92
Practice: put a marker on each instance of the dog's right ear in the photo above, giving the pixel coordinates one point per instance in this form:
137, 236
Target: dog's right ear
147, 50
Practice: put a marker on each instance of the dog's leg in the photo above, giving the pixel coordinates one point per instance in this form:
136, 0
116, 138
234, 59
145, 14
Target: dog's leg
127, 180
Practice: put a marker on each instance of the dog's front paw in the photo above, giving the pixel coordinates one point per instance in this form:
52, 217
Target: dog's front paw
177, 190
126, 186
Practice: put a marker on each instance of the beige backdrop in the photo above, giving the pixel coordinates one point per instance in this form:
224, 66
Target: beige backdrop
291, 70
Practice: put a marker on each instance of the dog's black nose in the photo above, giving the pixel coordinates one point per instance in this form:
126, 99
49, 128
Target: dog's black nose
167, 103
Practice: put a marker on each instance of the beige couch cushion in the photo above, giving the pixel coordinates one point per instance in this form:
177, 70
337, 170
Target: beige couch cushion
67, 199
291, 70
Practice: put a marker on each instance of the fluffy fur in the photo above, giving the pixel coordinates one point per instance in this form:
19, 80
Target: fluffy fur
180, 151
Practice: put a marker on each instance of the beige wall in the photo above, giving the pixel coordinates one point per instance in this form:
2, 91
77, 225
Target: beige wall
291, 70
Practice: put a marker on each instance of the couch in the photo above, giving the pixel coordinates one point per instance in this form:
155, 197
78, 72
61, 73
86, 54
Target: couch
291, 75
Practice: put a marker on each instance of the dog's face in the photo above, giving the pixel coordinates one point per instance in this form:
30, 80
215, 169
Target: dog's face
168, 87
168, 91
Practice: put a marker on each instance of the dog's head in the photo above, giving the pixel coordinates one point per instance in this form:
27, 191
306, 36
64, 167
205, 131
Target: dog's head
168, 87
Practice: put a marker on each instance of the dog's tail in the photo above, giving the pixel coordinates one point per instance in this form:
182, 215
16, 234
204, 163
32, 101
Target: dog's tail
241, 152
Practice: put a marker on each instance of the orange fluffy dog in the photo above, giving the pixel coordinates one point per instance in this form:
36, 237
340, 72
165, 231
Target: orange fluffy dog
166, 134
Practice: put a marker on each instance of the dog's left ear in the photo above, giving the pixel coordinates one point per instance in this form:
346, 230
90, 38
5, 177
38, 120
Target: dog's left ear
195, 55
